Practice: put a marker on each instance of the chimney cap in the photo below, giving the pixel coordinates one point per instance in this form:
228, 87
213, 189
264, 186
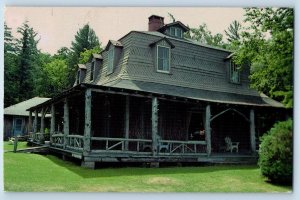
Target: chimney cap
155, 16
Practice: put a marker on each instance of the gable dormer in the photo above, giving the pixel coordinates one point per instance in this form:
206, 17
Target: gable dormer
175, 29
114, 50
162, 51
81, 72
233, 70
96, 63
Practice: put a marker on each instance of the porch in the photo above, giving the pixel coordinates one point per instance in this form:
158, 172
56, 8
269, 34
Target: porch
116, 125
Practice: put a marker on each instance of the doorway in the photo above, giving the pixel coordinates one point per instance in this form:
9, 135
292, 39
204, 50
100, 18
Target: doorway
196, 126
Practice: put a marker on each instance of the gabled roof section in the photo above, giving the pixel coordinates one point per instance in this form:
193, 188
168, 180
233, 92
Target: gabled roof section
113, 42
177, 23
96, 56
81, 66
20, 108
165, 39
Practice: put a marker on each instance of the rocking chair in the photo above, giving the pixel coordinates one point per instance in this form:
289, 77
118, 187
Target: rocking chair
230, 146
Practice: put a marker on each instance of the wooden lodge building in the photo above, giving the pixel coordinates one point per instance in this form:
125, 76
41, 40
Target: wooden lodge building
155, 96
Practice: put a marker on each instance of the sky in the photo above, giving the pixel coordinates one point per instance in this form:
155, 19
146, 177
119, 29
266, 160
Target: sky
57, 26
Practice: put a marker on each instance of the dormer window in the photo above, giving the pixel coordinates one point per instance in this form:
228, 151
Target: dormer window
78, 76
110, 61
176, 32
163, 59
234, 73
92, 71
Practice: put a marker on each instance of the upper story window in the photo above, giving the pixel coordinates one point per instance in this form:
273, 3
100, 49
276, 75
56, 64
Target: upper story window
78, 76
175, 31
110, 61
92, 71
163, 59
234, 73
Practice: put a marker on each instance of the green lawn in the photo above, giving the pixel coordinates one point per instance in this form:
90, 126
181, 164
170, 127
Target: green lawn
8, 146
32, 172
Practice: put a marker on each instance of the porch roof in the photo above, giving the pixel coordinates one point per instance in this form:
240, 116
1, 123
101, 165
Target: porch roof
146, 89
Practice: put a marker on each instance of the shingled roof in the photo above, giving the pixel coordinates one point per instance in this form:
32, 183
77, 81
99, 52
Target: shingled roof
19, 109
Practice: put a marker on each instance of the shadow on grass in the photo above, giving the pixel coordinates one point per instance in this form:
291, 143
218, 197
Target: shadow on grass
137, 169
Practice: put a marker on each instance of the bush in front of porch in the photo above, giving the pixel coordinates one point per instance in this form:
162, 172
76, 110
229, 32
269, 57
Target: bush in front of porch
276, 153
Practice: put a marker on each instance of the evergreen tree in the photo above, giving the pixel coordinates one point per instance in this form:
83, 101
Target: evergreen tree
233, 31
85, 39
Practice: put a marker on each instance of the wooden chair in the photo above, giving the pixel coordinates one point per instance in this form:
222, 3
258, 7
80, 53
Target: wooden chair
230, 146
162, 145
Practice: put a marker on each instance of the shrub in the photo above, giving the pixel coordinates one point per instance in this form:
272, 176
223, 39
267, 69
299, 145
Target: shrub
276, 153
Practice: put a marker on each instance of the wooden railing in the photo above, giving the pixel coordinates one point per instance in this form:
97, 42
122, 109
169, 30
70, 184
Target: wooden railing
38, 137
75, 142
121, 144
57, 140
173, 147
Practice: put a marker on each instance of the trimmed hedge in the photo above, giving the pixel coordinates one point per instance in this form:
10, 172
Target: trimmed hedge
276, 153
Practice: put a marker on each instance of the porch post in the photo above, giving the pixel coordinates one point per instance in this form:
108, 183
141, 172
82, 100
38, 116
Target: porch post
87, 119
154, 124
30, 122
42, 121
208, 130
127, 121
252, 131
35, 121
66, 121
52, 126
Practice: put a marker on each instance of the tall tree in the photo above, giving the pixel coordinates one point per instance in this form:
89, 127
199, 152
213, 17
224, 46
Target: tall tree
27, 61
10, 63
84, 39
267, 46
233, 31
86, 54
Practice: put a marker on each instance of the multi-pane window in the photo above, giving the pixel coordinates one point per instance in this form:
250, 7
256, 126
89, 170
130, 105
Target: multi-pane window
110, 64
175, 31
92, 71
163, 59
234, 73
78, 76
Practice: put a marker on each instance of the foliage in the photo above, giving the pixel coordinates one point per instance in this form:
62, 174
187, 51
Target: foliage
233, 31
87, 53
276, 153
19, 170
267, 46
10, 67
203, 35
84, 39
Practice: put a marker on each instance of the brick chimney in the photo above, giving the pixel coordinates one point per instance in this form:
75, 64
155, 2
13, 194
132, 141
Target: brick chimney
155, 22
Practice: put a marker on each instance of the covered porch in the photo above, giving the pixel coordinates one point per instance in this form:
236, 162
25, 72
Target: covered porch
104, 124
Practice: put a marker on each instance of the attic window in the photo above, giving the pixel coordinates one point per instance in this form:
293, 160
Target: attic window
78, 76
163, 59
175, 31
92, 71
110, 61
234, 73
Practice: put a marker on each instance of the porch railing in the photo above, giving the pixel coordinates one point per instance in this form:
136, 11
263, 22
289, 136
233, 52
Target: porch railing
57, 140
38, 137
120, 144
173, 147
75, 142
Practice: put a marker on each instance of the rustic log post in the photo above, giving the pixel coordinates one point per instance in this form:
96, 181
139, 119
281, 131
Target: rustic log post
154, 124
35, 121
87, 119
52, 126
66, 121
127, 121
208, 130
30, 122
252, 131
42, 121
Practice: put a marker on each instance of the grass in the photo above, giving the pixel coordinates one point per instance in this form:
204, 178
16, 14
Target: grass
37, 173
8, 146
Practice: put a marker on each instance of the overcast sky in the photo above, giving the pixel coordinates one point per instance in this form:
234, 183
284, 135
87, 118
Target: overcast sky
57, 26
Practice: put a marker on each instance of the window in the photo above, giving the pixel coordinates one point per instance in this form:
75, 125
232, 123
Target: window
163, 59
234, 73
175, 31
110, 64
92, 71
78, 76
